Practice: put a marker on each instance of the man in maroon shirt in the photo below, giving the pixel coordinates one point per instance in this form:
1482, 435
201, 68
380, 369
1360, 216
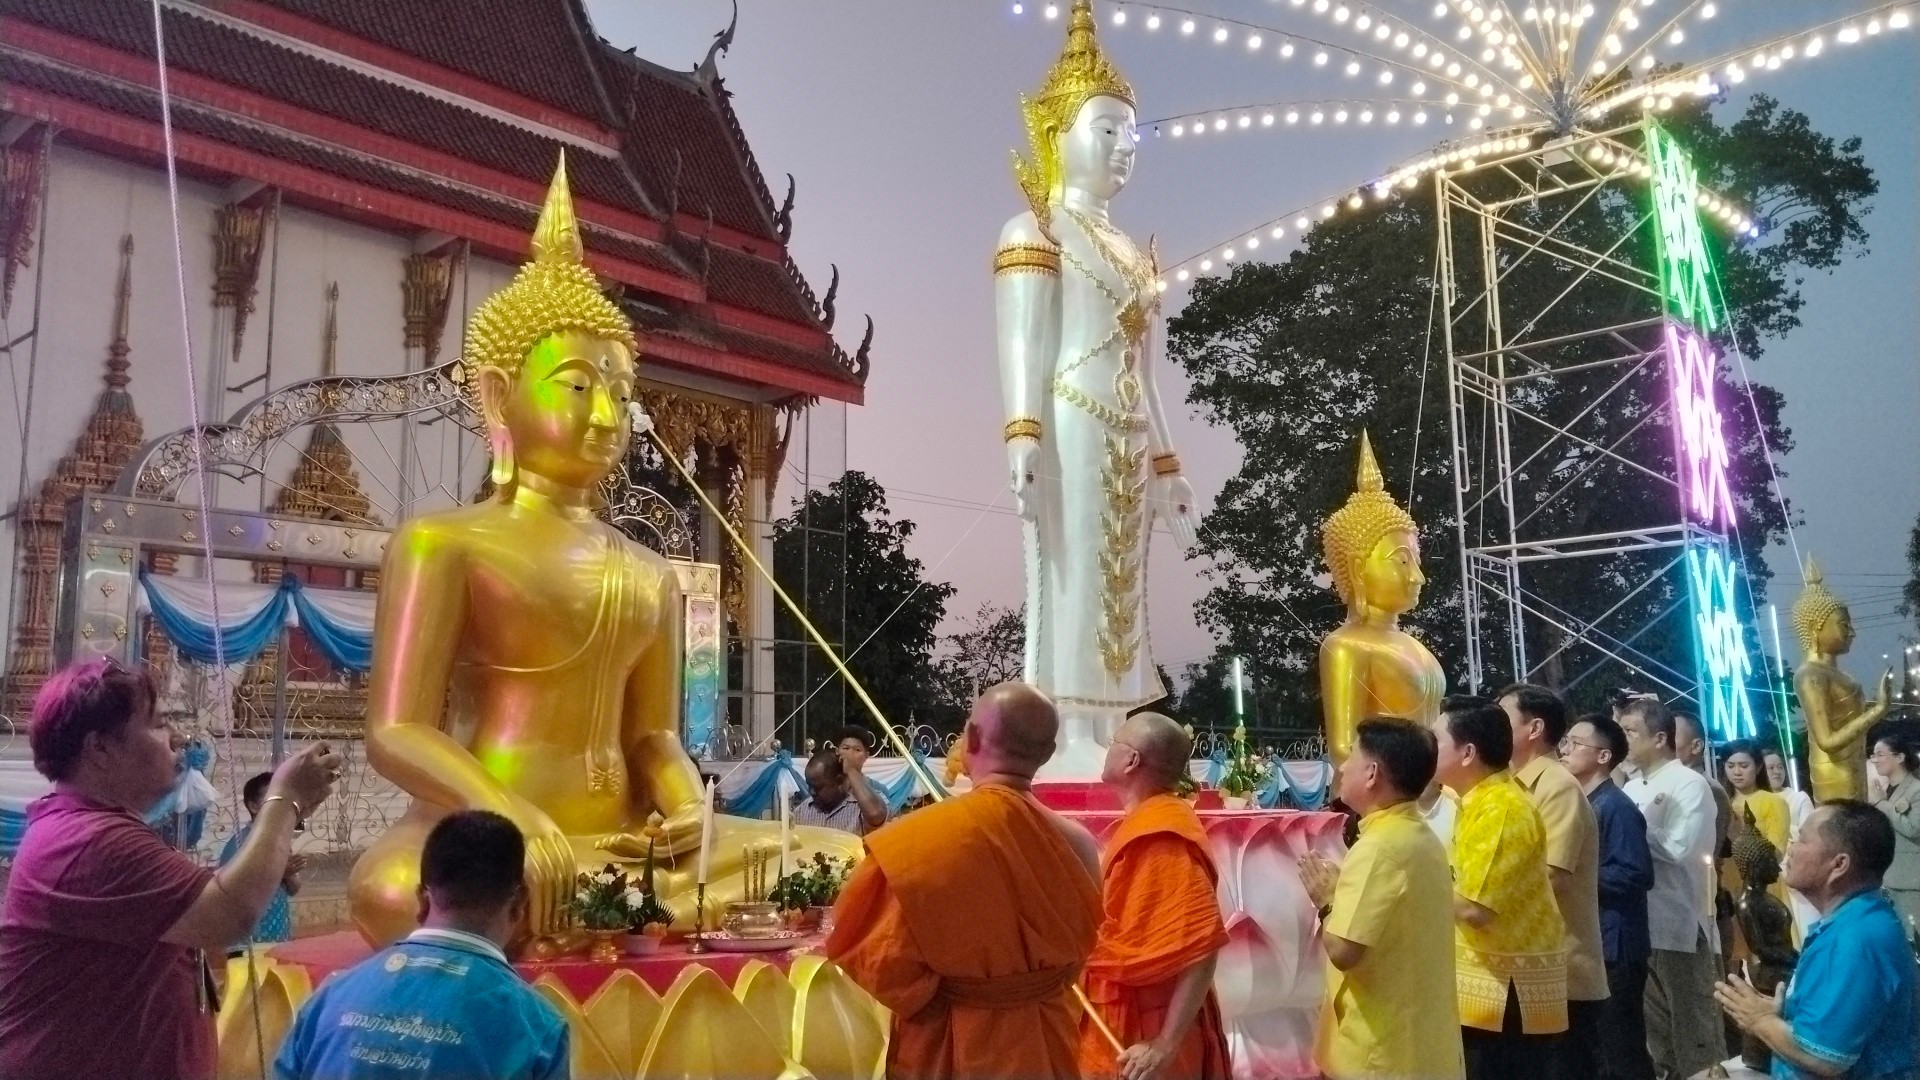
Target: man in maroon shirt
101, 972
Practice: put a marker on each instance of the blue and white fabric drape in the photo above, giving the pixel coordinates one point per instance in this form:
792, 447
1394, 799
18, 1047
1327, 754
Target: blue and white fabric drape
339, 622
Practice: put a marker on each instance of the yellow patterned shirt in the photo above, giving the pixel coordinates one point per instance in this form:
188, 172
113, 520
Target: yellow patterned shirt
1500, 863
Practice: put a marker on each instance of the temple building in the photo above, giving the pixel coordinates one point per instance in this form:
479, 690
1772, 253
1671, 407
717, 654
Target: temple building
354, 177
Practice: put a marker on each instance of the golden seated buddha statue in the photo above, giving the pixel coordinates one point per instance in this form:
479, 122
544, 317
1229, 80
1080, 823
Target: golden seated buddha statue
1368, 665
527, 656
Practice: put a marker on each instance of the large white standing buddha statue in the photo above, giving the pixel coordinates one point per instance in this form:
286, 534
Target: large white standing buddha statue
1090, 459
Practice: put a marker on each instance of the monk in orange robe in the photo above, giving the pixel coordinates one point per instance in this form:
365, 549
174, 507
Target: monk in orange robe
971, 919
1151, 975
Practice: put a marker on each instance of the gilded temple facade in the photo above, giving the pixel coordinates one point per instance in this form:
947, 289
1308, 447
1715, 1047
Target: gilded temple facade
353, 181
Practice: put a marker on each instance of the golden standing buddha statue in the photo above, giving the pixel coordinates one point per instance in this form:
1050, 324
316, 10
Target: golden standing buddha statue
1369, 666
1837, 717
527, 656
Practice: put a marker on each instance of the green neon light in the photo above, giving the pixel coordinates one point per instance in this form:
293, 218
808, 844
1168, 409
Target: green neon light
1686, 270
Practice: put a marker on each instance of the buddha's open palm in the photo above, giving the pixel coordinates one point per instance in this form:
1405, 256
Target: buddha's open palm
680, 834
1173, 501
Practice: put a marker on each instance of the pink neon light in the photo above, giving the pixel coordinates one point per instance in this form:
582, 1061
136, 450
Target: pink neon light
1705, 493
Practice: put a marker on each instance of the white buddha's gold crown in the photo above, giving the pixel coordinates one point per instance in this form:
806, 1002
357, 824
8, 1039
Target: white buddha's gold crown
1083, 72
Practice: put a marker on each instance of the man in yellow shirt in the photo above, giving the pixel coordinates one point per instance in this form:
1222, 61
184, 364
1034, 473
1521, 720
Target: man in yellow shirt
1510, 966
1538, 718
1389, 1012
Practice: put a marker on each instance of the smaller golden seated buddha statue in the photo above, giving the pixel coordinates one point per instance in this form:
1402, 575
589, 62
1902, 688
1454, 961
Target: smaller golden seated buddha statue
1838, 717
1369, 666
527, 655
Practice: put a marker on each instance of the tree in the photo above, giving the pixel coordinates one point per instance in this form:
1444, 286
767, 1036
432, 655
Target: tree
990, 648
844, 556
1296, 357
1910, 595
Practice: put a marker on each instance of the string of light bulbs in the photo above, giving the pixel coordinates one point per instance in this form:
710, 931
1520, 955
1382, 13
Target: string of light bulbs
1551, 84
1442, 66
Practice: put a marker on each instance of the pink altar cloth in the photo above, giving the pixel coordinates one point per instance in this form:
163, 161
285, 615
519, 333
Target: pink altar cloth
1272, 974
324, 955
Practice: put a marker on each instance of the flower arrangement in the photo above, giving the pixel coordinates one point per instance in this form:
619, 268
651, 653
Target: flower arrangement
600, 901
813, 885
1245, 772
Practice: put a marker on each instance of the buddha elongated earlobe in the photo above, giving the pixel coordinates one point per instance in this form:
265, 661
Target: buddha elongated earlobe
501, 443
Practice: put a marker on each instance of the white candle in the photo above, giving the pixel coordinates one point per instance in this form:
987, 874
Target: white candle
706, 833
786, 830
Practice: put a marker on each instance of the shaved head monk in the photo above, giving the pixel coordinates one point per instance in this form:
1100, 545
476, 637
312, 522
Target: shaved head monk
1151, 974
972, 918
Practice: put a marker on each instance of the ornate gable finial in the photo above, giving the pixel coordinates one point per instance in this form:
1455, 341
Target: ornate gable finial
330, 337
1081, 73
117, 364
709, 69
783, 221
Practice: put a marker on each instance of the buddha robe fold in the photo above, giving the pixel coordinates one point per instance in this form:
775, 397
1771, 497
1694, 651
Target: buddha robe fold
1161, 916
970, 920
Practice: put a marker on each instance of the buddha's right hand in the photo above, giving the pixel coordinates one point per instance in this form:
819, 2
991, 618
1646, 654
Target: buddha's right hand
550, 869
1023, 458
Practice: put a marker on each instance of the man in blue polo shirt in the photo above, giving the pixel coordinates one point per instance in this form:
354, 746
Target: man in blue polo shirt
1851, 1009
444, 1002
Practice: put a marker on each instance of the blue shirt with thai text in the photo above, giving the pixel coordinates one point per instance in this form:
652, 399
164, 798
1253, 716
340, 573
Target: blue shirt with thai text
1851, 1002
439, 1004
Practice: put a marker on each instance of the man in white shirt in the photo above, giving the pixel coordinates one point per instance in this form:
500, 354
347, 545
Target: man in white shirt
1683, 1033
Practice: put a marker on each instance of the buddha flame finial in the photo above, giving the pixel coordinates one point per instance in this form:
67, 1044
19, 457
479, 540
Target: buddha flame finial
1814, 607
556, 236
1369, 514
553, 293
1369, 479
1081, 73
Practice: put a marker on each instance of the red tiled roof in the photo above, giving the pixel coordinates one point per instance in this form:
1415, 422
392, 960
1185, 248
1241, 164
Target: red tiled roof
24, 71
756, 284
664, 112
252, 63
541, 49
187, 116
669, 112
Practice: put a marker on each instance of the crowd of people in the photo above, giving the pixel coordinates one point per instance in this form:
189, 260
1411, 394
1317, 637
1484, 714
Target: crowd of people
1574, 860
1579, 872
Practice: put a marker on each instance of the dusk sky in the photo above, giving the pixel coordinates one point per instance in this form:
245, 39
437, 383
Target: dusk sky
897, 117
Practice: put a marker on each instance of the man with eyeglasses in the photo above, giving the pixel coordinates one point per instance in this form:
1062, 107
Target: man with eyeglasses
1591, 749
